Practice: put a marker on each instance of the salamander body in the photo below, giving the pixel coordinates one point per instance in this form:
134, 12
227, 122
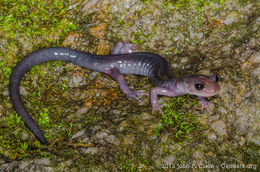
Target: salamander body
116, 65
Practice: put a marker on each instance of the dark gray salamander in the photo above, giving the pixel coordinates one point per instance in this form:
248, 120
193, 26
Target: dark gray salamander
146, 64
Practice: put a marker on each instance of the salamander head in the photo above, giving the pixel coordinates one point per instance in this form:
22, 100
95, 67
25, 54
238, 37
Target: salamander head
201, 85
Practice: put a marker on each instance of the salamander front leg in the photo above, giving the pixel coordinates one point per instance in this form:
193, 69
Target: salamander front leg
205, 104
159, 91
114, 73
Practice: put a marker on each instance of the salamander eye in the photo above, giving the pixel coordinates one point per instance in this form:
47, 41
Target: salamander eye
199, 85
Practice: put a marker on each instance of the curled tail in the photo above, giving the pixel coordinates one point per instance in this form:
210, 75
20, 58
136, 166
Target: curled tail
35, 58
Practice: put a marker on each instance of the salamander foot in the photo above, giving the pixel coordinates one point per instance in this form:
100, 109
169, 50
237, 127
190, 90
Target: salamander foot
134, 94
158, 108
206, 105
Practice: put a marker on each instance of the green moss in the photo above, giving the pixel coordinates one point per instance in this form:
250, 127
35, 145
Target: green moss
178, 121
44, 119
9, 144
5, 70
198, 4
131, 159
34, 18
46, 88
30, 19
12, 120
146, 2
41, 22
251, 154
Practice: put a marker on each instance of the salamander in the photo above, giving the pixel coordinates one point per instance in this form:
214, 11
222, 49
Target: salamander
122, 61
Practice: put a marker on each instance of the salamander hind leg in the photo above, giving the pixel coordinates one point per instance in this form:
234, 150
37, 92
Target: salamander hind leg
115, 73
124, 48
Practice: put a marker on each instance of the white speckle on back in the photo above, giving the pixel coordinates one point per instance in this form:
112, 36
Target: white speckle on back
164, 91
64, 54
72, 56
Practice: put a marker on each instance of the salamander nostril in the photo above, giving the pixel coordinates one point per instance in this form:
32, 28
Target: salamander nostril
217, 78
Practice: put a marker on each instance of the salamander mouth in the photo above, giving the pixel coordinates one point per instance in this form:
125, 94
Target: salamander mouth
213, 91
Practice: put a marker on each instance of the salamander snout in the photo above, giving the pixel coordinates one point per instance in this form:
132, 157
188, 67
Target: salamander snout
201, 85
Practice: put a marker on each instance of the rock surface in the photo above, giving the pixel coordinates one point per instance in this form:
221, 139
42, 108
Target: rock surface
93, 126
